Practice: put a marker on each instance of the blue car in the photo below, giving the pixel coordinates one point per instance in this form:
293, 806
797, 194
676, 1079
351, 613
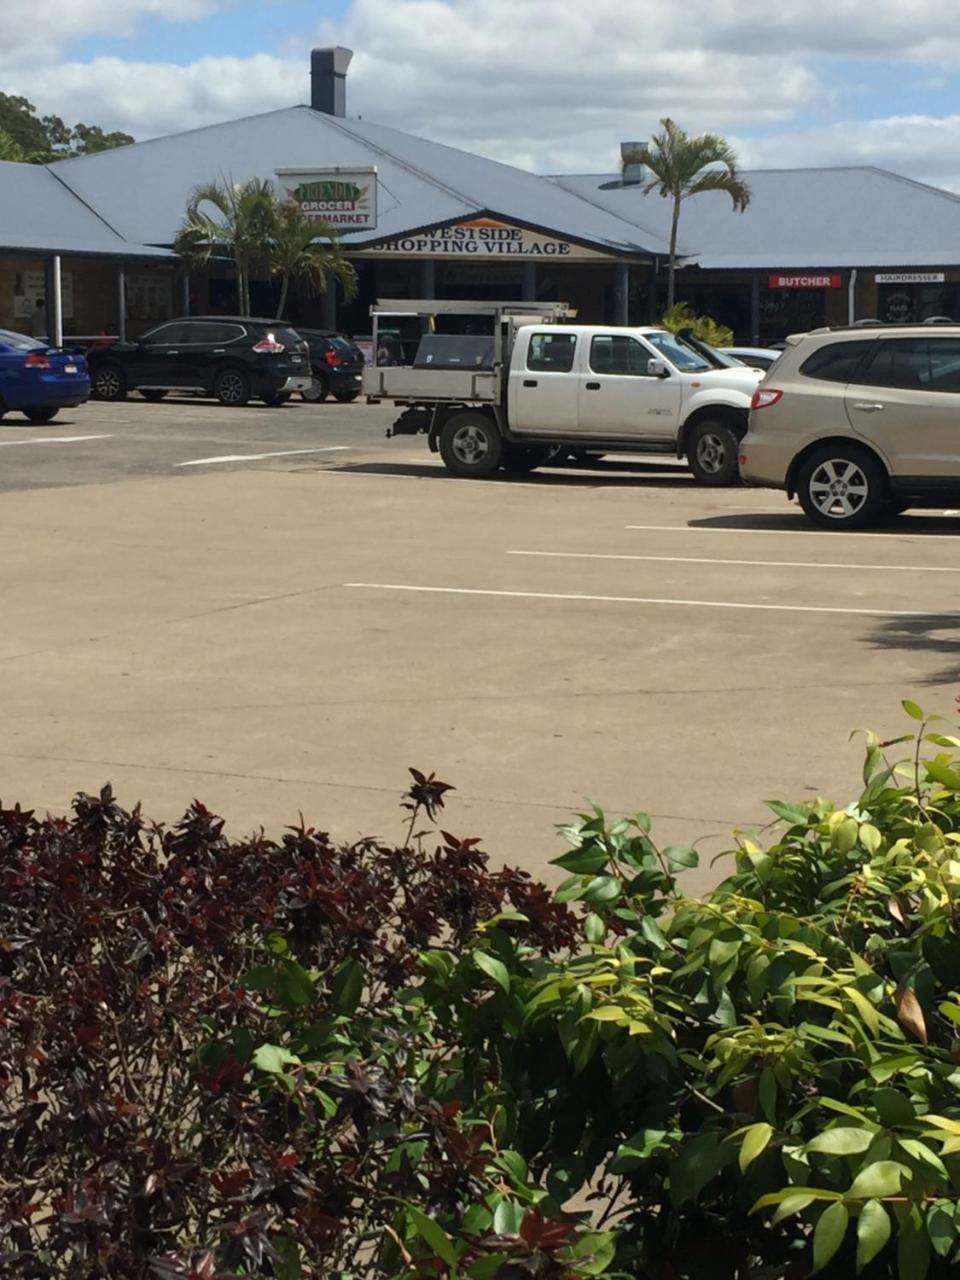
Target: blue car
38, 379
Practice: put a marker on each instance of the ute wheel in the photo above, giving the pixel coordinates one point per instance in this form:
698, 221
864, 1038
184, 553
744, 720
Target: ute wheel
232, 388
842, 487
712, 451
318, 390
471, 445
345, 397
42, 413
109, 382
151, 394
521, 459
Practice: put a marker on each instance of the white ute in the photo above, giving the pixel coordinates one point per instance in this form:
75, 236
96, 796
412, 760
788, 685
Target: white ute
506, 384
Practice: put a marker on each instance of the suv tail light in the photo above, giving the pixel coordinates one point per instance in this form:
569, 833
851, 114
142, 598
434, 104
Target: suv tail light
764, 397
269, 346
333, 358
37, 360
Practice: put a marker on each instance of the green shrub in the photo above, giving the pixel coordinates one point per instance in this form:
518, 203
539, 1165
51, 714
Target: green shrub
708, 330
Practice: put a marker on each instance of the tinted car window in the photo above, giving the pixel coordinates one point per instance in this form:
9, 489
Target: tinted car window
619, 354
838, 361
551, 352
165, 335
918, 364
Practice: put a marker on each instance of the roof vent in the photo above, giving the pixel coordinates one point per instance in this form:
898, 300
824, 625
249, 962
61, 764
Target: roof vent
633, 171
328, 80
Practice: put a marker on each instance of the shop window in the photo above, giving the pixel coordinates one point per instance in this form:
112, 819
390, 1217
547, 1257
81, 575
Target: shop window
618, 354
551, 352
838, 361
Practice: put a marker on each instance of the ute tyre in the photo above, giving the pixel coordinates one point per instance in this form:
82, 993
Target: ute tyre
232, 388
41, 413
471, 445
842, 487
521, 459
712, 453
109, 383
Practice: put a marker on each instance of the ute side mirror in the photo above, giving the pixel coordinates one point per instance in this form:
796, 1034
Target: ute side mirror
657, 369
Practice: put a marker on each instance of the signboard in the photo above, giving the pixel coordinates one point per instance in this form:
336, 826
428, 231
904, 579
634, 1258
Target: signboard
346, 198
31, 285
485, 240
910, 277
805, 282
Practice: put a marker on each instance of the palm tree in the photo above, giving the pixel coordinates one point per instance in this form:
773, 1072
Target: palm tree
308, 250
236, 219
9, 148
686, 166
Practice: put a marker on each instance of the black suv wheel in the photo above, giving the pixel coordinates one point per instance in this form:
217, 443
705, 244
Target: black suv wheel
232, 388
109, 382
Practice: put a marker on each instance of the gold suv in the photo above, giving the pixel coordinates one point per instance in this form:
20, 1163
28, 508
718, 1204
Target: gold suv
860, 423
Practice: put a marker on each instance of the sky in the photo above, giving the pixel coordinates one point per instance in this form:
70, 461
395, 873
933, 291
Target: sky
551, 85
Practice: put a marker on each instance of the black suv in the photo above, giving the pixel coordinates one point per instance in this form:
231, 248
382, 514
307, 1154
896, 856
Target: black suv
229, 357
336, 363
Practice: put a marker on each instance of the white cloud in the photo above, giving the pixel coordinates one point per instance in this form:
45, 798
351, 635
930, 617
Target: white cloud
548, 84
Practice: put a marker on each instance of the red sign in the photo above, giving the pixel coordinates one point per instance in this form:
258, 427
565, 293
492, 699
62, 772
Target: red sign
804, 282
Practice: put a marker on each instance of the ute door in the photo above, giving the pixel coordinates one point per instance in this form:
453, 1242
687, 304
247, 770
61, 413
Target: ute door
907, 402
619, 397
545, 388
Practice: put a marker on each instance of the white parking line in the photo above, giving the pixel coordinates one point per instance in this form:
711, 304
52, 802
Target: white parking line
257, 457
54, 440
770, 564
809, 533
695, 604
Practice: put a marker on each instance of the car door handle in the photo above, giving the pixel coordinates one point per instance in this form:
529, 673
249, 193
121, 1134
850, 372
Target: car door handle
591, 386
867, 406
529, 382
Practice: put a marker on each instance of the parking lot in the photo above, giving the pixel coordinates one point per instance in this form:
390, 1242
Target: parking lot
277, 610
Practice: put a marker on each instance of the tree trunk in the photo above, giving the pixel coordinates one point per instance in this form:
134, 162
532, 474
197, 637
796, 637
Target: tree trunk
240, 290
672, 275
284, 289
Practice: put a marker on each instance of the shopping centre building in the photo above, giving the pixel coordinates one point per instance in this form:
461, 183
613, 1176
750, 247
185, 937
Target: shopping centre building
93, 235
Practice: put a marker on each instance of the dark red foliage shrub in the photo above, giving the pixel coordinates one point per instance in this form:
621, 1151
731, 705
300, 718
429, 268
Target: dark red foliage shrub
135, 1139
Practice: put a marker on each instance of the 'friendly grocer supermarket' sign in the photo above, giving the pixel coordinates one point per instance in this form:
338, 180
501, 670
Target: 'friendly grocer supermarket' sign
484, 240
346, 198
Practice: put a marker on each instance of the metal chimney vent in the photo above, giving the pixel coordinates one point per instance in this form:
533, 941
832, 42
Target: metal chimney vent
633, 171
328, 80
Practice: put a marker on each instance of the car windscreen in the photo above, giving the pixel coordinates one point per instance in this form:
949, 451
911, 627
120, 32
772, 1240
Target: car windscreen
19, 341
344, 346
680, 355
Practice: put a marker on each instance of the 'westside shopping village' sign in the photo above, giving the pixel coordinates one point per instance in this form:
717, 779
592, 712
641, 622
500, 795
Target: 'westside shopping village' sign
346, 198
484, 240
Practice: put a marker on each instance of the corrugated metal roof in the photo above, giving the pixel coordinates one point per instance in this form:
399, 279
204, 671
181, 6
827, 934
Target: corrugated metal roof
843, 217
38, 214
142, 189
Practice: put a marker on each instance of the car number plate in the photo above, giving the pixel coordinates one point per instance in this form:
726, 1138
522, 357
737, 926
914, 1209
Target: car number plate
69, 368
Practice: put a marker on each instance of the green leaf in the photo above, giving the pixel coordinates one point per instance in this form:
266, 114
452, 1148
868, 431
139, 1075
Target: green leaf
877, 1180
873, 1232
840, 1142
594, 929
845, 835
514, 1165
796, 814
941, 772
913, 1247
942, 1227
780, 1197
592, 1254
434, 1234
507, 1218
792, 1205
653, 933
294, 983
609, 1013
638, 1148
488, 1267
493, 968
347, 988
699, 1161
272, 1058
603, 889
583, 862
828, 1234
912, 710
679, 857
767, 1092
286, 1265
756, 1139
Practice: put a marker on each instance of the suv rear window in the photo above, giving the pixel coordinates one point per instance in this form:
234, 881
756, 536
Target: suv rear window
837, 361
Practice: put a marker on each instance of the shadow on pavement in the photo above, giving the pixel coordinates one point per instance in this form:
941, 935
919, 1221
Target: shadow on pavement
925, 633
639, 475
793, 520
